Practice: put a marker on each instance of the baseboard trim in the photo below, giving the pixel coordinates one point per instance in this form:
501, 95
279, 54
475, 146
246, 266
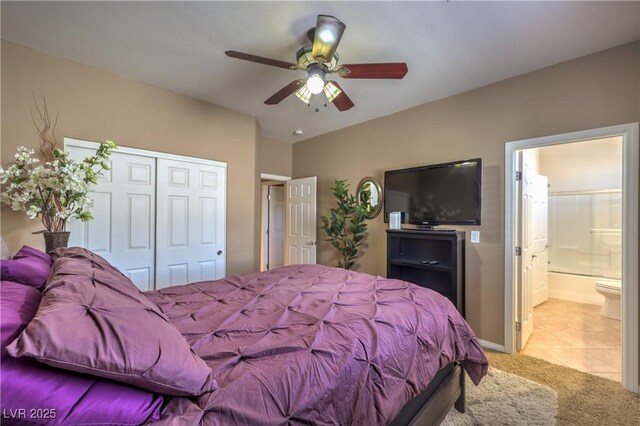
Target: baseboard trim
493, 346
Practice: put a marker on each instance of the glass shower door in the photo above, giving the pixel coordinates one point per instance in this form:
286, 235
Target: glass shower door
585, 233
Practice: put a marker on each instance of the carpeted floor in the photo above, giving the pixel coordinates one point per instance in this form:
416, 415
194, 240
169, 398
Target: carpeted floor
504, 399
584, 399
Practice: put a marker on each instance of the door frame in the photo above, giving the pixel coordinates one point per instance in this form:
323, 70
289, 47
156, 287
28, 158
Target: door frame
265, 181
630, 182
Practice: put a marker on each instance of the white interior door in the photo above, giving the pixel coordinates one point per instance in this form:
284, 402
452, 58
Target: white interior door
275, 231
540, 243
524, 240
191, 210
300, 207
123, 226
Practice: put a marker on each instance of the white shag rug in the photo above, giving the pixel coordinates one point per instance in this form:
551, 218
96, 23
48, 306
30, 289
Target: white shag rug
506, 399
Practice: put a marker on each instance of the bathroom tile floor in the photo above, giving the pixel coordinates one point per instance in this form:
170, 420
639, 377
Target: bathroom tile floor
575, 335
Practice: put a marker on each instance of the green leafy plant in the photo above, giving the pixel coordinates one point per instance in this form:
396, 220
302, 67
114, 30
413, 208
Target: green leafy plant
345, 224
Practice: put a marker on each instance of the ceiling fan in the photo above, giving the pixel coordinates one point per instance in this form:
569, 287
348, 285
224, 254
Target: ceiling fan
319, 60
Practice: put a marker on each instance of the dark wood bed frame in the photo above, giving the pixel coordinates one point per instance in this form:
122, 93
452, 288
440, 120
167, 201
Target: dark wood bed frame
431, 406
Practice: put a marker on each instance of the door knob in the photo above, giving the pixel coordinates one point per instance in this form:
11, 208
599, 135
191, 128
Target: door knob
219, 252
310, 243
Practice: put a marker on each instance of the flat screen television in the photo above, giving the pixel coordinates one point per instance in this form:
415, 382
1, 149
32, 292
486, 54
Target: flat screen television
437, 194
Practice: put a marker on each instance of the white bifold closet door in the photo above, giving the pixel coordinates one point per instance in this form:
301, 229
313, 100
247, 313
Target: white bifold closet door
159, 218
123, 226
190, 244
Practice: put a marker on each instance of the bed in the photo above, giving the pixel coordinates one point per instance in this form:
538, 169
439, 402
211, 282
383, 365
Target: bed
306, 337
310, 344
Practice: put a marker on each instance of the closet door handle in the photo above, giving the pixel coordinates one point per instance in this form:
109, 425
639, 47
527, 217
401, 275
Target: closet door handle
219, 252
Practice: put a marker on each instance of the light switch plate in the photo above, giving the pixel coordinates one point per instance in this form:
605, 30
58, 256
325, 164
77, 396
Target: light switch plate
475, 236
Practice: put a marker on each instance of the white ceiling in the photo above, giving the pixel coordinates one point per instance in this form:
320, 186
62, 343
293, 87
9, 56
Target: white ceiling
450, 47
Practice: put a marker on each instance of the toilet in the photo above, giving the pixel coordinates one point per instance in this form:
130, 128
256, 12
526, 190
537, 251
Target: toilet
611, 290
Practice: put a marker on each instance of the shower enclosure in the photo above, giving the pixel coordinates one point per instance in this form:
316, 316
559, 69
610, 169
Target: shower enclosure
585, 242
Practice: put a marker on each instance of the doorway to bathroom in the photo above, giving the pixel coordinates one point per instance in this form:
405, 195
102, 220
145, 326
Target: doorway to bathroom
571, 274
574, 263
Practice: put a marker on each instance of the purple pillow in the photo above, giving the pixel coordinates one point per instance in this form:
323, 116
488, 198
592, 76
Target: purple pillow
100, 266
91, 322
95, 260
27, 251
29, 266
63, 397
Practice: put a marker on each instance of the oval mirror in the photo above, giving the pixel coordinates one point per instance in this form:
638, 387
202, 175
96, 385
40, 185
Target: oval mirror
370, 195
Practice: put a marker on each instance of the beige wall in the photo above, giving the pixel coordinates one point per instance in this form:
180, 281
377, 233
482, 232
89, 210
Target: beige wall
275, 157
599, 90
583, 166
96, 105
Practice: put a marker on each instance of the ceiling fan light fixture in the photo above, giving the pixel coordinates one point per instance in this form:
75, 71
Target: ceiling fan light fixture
331, 91
315, 83
315, 79
327, 35
304, 94
305, 59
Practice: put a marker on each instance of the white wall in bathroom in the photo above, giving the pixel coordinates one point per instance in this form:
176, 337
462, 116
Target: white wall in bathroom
583, 166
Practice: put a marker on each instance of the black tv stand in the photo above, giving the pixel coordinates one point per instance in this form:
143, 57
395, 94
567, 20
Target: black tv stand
432, 259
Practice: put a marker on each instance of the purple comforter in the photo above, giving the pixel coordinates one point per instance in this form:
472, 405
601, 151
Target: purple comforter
313, 344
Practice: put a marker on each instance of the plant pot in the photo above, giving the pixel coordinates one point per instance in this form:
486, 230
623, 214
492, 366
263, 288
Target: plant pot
54, 240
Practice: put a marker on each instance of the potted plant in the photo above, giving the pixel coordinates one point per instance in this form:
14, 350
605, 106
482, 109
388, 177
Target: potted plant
56, 188
345, 225
54, 191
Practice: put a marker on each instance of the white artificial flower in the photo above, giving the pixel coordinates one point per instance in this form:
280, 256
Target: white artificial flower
53, 191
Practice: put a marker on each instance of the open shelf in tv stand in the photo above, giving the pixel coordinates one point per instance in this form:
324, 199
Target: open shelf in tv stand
409, 249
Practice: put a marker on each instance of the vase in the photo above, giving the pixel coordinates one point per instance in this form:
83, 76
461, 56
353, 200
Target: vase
54, 240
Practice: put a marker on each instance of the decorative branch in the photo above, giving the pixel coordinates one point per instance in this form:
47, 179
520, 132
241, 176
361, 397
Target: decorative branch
56, 188
46, 130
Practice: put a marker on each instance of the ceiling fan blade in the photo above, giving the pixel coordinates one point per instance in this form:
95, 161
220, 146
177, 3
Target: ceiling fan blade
341, 100
284, 92
385, 70
261, 60
328, 33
